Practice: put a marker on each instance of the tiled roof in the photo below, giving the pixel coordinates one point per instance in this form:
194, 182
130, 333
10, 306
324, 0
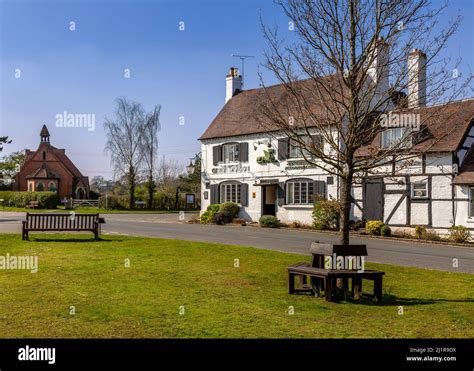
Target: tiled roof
42, 172
241, 115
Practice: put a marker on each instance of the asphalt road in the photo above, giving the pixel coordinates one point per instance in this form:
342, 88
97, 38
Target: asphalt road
424, 255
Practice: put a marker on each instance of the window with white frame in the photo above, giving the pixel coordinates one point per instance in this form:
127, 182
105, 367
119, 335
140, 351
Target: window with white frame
395, 137
230, 152
419, 190
230, 192
299, 192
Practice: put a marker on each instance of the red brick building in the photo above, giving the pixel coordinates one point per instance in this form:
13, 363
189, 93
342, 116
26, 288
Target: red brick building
49, 169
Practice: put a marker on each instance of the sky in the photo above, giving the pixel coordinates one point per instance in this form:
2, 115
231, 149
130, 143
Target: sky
46, 68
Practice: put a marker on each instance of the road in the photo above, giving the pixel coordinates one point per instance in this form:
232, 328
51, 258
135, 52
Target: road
413, 254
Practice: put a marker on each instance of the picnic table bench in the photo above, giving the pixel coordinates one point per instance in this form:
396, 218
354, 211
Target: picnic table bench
61, 222
324, 279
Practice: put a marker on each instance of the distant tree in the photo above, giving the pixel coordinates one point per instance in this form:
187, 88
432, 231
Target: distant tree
168, 179
149, 147
4, 140
9, 166
123, 142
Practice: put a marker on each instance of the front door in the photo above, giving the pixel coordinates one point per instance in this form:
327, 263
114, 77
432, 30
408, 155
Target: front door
373, 199
269, 196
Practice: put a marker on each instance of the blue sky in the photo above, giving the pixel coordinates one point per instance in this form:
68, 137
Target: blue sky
82, 71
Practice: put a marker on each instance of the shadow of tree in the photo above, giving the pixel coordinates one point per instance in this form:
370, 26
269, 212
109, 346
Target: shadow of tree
88, 240
392, 300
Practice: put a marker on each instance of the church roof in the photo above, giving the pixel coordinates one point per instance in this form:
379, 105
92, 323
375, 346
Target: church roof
42, 172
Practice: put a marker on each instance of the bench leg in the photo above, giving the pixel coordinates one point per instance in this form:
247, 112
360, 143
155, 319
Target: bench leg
378, 288
316, 285
356, 288
291, 283
328, 288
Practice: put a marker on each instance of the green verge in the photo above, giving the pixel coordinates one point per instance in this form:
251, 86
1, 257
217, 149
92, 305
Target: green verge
86, 210
220, 300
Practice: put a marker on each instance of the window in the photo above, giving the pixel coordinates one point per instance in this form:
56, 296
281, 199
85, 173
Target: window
298, 150
44, 155
230, 152
231, 192
419, 190
299, 192
52, 187
394, 137
39, 187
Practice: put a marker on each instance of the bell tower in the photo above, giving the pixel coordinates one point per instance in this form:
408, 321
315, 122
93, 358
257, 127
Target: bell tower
44, 134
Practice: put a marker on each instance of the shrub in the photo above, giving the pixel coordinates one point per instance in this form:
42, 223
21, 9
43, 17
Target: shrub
385, 231
269, 221
230, 210
355, 225
114, 202
459, 233
373, 227
208, 215
46, 200
219, 218
326, 214
432, 236
295, 224
420, 232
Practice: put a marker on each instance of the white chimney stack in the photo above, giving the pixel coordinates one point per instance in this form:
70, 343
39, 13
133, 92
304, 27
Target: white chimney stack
416, 79
378, 72
233, 83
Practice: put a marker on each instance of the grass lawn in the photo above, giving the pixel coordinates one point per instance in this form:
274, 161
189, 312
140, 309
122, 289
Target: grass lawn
219, 300
86, 210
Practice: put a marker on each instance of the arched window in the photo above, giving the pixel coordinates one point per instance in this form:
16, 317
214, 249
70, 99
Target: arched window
40, 187
52, 187
80, 194
44, 155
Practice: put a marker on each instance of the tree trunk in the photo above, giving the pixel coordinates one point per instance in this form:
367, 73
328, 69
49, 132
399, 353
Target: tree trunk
151, 190
346, 184
131, 187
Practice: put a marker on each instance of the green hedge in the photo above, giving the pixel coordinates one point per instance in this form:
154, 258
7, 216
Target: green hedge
46, 200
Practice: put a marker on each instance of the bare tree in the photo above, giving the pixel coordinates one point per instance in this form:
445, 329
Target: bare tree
344, 67
149, 147
123, 142
168, 179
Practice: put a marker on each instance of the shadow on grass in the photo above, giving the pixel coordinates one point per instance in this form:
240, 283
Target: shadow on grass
392, 300
88, 240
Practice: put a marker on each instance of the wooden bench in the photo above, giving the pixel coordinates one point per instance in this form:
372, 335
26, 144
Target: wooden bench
33, 205
323, 279
61, 222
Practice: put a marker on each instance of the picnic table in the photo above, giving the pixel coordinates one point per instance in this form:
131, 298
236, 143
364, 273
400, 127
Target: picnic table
323, 278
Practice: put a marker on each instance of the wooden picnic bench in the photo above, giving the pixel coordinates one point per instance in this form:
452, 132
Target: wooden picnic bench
324, 279
61, 222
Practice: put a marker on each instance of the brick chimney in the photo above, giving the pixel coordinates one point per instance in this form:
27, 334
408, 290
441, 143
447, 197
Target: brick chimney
233, 83
416, 79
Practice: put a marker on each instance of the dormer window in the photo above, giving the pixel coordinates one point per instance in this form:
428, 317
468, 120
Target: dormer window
398, 137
